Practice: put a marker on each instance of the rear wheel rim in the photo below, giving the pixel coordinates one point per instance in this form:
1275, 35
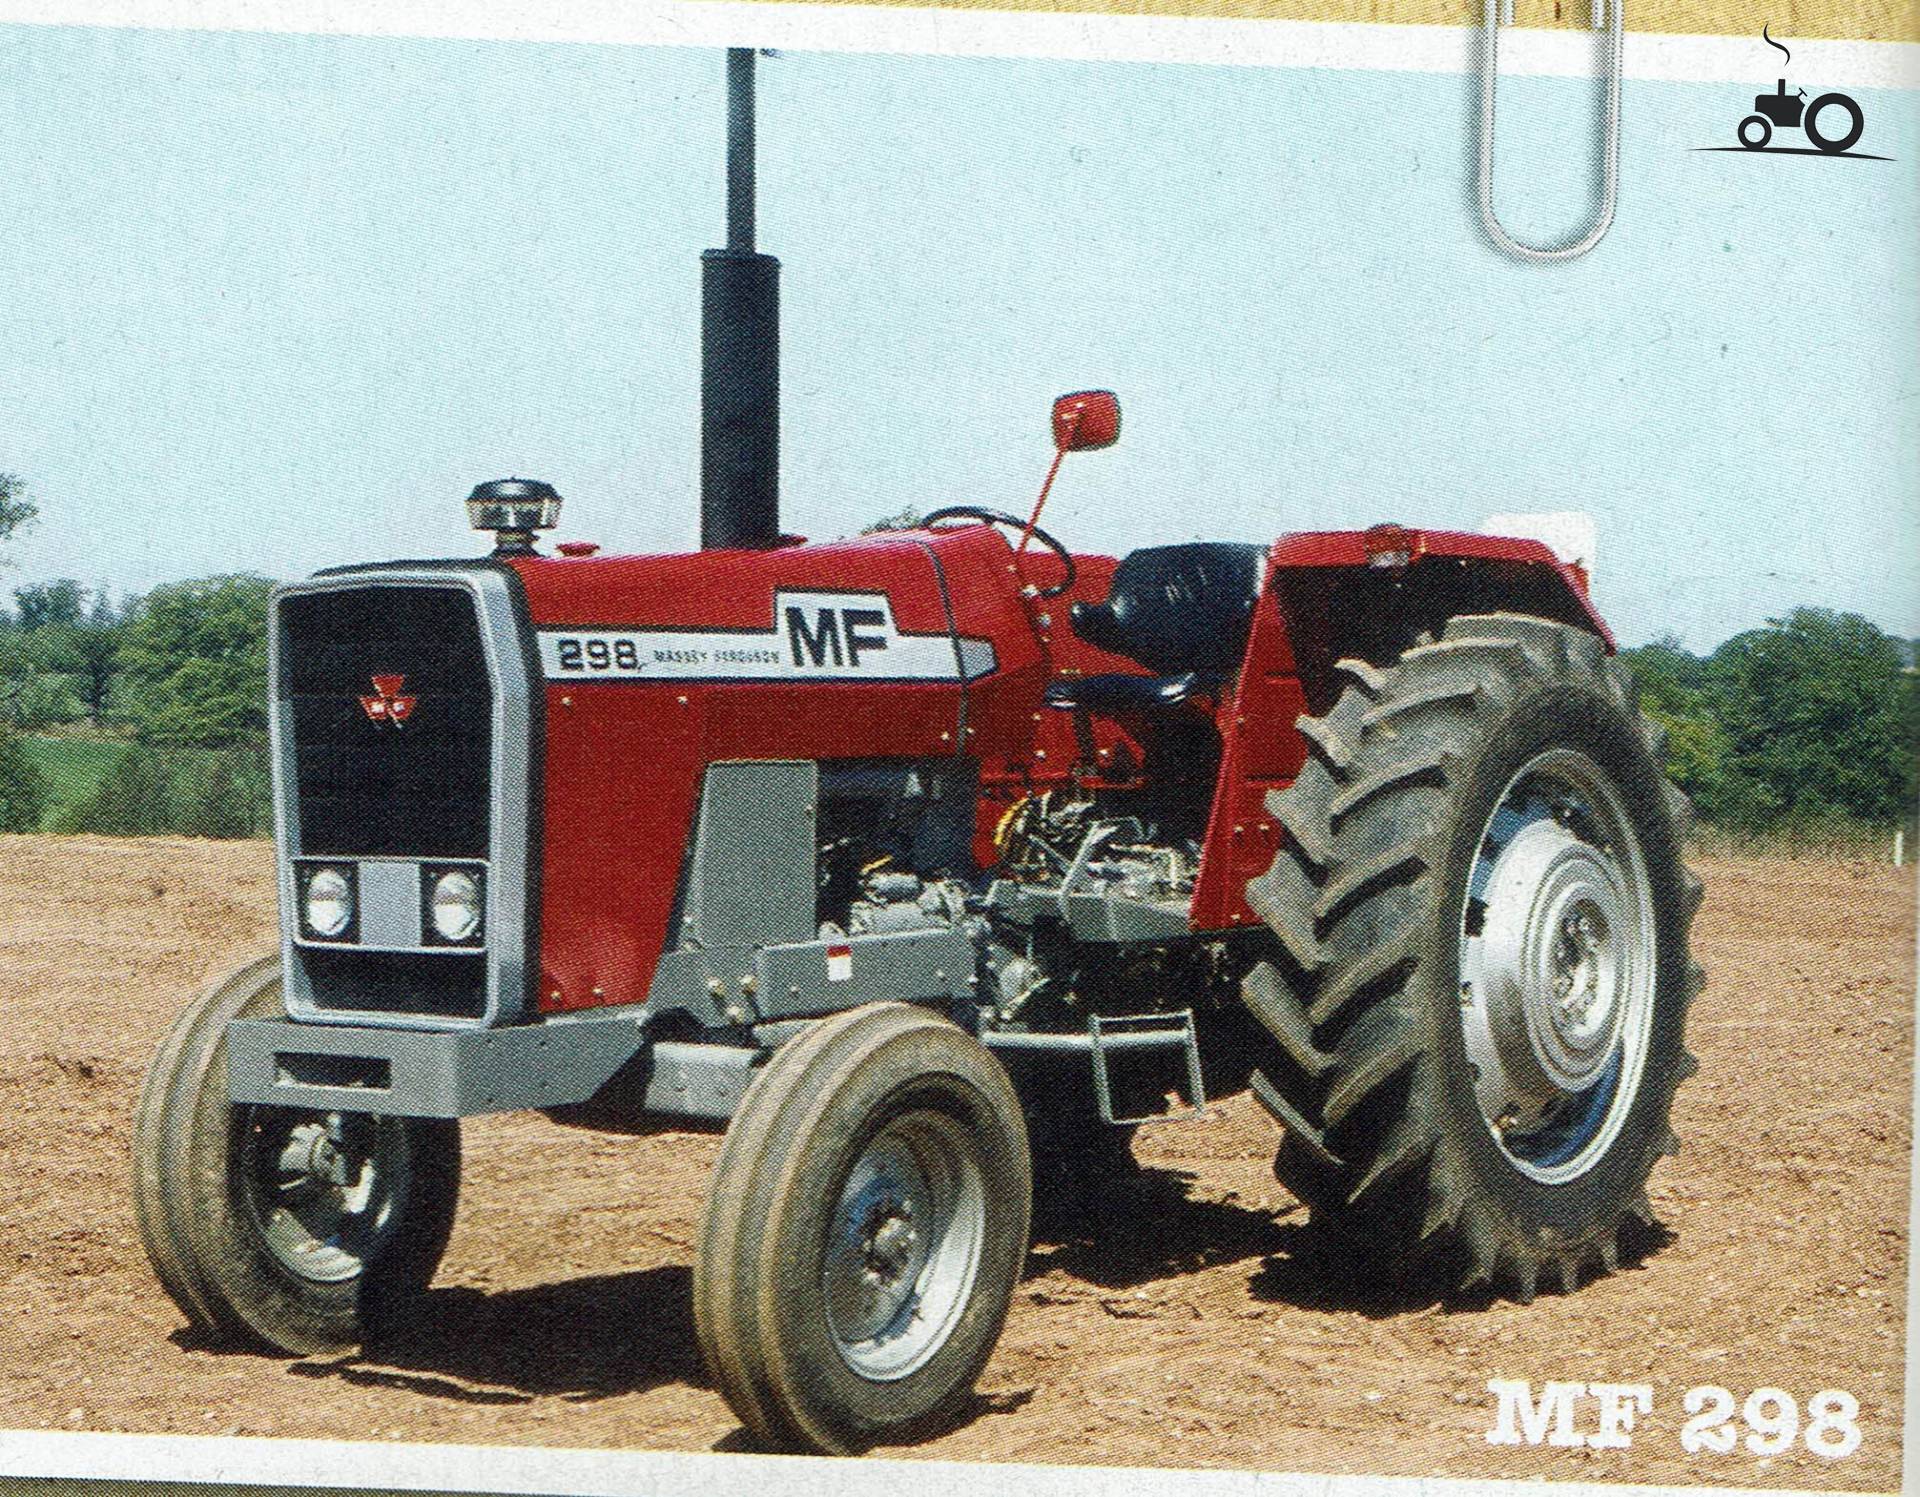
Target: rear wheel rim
324, 1190
1557, 967
903, 1245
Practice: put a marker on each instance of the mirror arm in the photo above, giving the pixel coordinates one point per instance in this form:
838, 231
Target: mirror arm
1046, 488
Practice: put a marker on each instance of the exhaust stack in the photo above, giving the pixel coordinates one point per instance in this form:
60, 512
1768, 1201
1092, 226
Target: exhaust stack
739, 353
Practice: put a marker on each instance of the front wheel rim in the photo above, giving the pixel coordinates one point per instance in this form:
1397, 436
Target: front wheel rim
1558, 959
903, 1245
324, 1190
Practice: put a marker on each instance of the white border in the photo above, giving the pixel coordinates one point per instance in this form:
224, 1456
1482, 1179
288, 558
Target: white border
545, 1472
540, 1470
1910, 1423
987, 33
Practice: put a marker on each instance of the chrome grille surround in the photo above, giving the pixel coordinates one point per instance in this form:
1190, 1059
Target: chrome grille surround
426, 985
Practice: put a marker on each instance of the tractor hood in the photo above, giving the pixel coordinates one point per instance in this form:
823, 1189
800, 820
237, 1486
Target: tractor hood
877, 609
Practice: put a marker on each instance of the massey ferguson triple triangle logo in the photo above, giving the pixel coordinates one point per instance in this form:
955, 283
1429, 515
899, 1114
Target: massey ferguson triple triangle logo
387, 705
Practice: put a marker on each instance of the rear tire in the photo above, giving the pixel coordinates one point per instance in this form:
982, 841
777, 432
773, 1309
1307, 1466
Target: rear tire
1833, 145
304, 1232
865, 1226
1479, 983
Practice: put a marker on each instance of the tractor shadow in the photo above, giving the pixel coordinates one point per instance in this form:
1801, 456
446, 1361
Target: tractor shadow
607, 1335
1150, 1229
1321, 1271
1141, 1229
581, 1340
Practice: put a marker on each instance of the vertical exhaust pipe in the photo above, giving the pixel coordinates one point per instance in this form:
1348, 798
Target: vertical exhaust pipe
739, 353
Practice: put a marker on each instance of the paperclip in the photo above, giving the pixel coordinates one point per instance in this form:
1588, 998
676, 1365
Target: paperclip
1605, 12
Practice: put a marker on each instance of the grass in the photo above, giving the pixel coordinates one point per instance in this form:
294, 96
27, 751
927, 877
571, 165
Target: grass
1831, 841
71, 767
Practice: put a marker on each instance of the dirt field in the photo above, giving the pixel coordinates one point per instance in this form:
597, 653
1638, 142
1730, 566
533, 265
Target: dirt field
1199, 1329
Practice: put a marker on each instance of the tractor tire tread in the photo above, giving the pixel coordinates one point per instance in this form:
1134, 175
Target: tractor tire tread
1355, 1078
1272, 1002
766, 1164
187, 1218
156, 1165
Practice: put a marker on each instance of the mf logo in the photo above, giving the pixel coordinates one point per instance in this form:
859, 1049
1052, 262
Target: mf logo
830, 632
388, 704
812, 636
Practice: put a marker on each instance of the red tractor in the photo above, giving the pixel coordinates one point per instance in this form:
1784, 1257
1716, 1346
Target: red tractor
928, 864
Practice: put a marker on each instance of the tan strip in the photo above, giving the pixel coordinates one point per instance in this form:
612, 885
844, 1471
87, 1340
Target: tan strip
1844, 20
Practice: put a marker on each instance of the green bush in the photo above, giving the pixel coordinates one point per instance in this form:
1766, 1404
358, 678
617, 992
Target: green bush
131, 801
223, 793
183, 791
194, 662
1806, 731
45, 701
23, 792
71, 769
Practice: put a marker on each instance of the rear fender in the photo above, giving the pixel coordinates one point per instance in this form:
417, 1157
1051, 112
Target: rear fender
1337, 606
1323, 603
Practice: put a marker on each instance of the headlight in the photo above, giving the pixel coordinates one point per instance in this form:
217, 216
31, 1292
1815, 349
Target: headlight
329, 903
456, 905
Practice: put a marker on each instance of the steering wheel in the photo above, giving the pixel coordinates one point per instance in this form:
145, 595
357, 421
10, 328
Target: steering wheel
1001, 517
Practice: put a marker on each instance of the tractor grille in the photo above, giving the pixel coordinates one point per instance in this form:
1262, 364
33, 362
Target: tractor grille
365, 787
411, 780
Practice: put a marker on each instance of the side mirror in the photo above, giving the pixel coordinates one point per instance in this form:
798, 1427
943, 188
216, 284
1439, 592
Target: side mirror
1086, 421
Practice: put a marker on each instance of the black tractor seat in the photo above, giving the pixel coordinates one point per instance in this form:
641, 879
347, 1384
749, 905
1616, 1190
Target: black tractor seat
1181, 611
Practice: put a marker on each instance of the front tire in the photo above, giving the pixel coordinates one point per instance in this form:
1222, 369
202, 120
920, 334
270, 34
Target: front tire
300, 1231
863, 1233
1479, 981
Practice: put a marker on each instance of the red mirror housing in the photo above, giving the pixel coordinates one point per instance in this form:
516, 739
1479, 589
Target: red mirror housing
1086, 421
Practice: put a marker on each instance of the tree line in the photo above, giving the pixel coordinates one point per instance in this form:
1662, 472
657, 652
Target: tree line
1811, 721
163, 697
132, 715
1803, 727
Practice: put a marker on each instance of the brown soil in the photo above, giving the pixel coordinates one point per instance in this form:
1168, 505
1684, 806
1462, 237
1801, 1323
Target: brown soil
1197, 1328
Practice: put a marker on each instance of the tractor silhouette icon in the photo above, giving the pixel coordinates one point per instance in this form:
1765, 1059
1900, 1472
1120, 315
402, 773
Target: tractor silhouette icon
1791, 111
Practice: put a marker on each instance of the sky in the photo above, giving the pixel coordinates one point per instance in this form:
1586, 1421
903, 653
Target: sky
272, 303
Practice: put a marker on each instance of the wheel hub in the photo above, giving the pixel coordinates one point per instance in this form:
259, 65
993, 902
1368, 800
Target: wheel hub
903, 1247
323, 1188
1550, 970
874, 1256
890, 1243
312, 1162
1556, 966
